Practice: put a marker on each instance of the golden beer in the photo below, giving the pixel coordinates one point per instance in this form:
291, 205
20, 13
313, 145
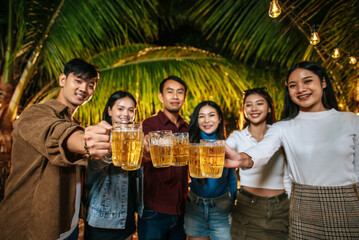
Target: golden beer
127, 142
161, 148
194, 161
162, 156
132, 166
180, 149
212, 158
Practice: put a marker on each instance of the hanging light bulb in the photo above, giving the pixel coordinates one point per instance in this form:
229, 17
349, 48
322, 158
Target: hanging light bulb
314, 39
274, 9
336, 52
352, 60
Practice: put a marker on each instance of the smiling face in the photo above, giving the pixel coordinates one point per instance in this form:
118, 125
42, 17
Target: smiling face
256, 109
173, 96
208, 119
123, 110
306, 90
75, 90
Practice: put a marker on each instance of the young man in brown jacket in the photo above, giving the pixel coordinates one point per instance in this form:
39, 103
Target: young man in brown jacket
42, 193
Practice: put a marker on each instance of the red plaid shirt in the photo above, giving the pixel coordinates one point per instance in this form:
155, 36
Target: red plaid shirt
165, 189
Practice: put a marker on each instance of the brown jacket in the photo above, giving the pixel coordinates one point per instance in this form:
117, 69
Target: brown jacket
40, 192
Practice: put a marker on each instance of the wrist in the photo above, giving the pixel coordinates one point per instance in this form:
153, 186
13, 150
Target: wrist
87, 152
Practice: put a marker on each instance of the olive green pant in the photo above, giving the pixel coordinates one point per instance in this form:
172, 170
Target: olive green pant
255, 217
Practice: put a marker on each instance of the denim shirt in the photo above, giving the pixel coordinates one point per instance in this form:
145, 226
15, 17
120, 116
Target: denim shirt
108, 194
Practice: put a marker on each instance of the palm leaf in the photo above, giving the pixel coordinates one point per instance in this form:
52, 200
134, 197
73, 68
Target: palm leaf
208, 76
244, 32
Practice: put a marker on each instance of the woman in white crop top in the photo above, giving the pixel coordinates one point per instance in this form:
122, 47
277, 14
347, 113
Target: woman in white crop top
322, 150
262, 189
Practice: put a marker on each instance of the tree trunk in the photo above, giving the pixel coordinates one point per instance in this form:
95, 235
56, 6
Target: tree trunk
6, 91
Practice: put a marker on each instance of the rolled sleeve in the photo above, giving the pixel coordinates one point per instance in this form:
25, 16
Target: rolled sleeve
41, 128
57, 152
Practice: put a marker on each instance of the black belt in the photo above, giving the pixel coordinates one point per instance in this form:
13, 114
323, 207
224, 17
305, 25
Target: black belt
250, 195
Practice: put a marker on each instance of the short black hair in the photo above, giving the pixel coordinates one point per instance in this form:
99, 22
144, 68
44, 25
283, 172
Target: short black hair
174, 78
80, 67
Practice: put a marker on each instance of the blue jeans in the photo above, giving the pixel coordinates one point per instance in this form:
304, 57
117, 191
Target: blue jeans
159, 226
208, 217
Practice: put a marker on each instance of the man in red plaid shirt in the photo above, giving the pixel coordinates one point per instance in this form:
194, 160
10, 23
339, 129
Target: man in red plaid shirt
165, 189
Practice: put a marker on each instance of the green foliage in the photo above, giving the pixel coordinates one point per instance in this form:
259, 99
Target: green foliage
124, 39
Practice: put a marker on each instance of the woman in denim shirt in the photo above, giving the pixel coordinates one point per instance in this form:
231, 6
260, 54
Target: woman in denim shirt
114, 194
210, 201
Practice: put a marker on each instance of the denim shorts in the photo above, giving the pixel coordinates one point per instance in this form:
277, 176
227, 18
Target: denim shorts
208, 216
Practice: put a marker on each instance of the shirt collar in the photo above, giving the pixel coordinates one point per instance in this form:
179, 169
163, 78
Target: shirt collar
247, 133
61, 108
165, 120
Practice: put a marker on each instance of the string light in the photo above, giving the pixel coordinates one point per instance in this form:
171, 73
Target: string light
274, 9
352, 60
336, 52
314, 38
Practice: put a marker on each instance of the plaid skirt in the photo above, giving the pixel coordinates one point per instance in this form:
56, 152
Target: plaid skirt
318, 212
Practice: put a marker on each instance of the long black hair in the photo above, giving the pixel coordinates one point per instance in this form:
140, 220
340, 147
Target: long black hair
264, 93
111, 101
329, 100
195, 131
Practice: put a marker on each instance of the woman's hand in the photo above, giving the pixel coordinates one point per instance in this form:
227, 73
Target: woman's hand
234, 159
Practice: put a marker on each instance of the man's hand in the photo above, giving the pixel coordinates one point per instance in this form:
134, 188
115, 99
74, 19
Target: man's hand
234, 159
97, 138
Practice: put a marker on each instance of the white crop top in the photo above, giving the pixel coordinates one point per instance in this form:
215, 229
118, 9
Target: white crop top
274, 175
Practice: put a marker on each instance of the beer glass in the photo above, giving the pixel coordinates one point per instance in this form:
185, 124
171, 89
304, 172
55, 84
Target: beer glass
132, 167
127, 141
194, 161
212, 157
161, 148
180, 149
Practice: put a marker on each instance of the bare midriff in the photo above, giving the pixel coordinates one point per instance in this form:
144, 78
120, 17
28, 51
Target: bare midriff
263, 192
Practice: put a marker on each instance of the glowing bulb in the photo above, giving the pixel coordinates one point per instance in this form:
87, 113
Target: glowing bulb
274, 9
336, 52
17, 117
314, 39
352, 60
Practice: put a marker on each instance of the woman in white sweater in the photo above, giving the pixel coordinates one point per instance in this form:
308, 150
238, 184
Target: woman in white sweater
262, 189
322, 150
